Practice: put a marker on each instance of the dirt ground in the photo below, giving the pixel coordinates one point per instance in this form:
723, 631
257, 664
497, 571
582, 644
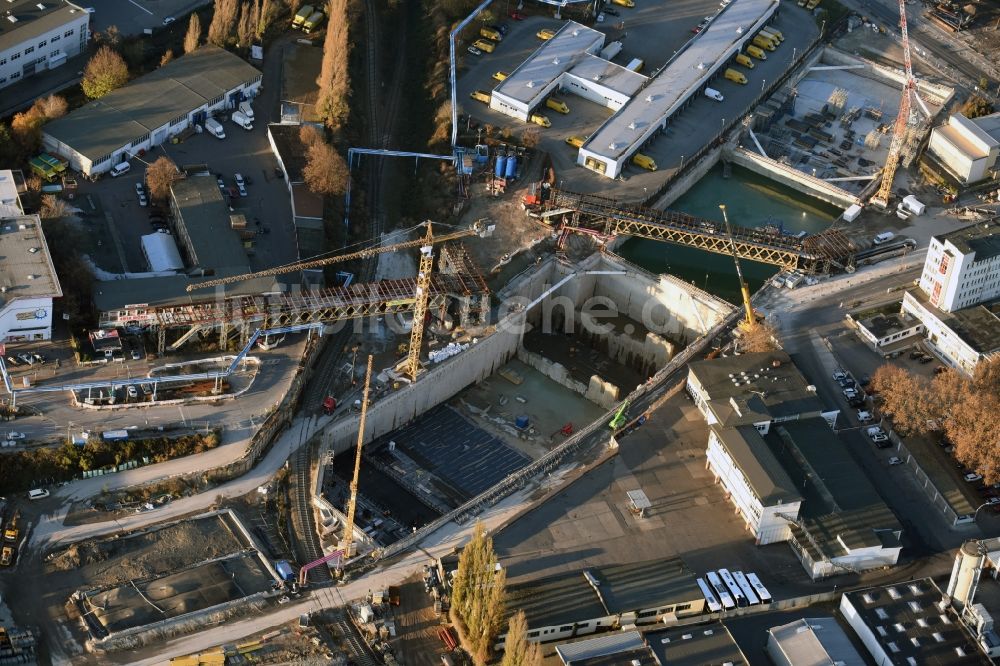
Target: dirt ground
113, 561
417, 626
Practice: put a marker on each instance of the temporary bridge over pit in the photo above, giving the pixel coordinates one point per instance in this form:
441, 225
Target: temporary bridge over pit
818, 253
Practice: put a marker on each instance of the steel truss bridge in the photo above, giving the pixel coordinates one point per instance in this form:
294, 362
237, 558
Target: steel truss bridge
457, 278
590, 213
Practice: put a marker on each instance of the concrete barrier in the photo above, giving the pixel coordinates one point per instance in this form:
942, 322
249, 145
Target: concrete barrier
792, 177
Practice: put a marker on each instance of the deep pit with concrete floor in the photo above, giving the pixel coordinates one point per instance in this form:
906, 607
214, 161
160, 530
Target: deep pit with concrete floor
572, 341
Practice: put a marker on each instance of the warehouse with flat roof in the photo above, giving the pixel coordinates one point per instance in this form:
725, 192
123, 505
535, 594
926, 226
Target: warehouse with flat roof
124, 123
38, 36
28, 280
687, 74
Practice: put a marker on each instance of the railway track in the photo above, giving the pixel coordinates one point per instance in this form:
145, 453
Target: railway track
360, 652
307, 543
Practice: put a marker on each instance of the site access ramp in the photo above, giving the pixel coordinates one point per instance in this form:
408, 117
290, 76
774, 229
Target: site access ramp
818, 253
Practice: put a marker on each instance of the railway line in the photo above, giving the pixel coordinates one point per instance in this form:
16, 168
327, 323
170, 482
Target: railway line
307, 545
359, 651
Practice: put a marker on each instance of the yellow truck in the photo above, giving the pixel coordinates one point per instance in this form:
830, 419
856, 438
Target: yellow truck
575, 141
301, 16
314, 21
491, 33
485, 45
763, 42
757, 53
539, 119
644, 161
480, 96
735, 76
557, 105
545, 34
768, 32
624, 3
500, 76
744, 59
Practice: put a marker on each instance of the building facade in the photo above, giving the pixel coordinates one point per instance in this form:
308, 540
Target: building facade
963, 267
28, 281
961, 339
123, 123
39, 36
968, 149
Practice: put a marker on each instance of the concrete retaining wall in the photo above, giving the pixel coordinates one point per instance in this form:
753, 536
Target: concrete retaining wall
786, 175
931, 92
598, 391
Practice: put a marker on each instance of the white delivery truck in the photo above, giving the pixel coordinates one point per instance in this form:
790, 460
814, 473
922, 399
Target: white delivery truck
215, 128
241, 119
246, 110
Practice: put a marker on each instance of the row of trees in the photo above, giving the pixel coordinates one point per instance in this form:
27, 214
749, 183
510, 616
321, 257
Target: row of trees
233, 22
334, 78
479, 604
966, 409
23, 137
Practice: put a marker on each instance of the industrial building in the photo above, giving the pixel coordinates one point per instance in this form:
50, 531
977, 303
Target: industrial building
11, 186
39, 36
910, 623
124, 123
648, 113
886, 329
576, 603
957, 301
28, 281
967, 148
679, 646
771, 447
811, 640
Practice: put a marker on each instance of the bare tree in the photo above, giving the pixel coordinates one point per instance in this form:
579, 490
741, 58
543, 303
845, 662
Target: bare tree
759, 337
167, 57
334, 79
530, 137
110, 37
223, 22
106, 71
159, 175
904, 396
264, 17
309, 134
517, 649
245, 25
193, 37
53, 208
478, 595
52, 107
325, 171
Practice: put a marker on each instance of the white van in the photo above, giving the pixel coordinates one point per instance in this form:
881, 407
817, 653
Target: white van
883, 237
119, 169
242, 120
37, 493
246, 110
712, 93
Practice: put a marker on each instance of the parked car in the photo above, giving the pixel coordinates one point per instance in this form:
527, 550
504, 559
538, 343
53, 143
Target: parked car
13, 361
926, 359
474, 51
864, 415
241, 185
221, 182
993, 500
26, 358
972, 477
136, 355
849, 393
15, 435
545, 34
168, 20
147, 389
140, 192
838, 375
881, 441
875, 430
133, 392
895, 461
502, 28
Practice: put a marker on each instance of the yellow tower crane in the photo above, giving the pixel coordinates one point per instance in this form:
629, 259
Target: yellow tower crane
424, 274
751, 318
347, 542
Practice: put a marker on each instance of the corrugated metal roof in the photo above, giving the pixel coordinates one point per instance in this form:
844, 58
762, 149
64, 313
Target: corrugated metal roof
600, 646
814, 640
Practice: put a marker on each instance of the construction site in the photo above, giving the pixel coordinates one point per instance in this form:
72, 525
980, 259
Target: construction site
145, 585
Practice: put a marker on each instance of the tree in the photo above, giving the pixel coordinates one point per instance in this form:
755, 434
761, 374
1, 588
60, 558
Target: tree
264, 17
325, 171
105, 72
193, 37
759, 337
517, 649
52, 107
223, 21
245, 25
53, 208
110, 37
308, 135
478, 595
334, 79
159, 175
977, 106
904, 396
27, 125
167, 57
530, 137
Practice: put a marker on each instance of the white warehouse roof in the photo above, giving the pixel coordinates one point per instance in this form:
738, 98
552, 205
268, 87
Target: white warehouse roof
681, 76
161, 251
597, 70
555, 56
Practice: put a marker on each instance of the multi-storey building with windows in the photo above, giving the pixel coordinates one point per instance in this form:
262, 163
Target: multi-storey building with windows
38, 36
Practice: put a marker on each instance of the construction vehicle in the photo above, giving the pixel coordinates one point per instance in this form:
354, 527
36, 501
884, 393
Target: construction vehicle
750, 319
881, 198
347, 542
620, 417
419, 299
301, 16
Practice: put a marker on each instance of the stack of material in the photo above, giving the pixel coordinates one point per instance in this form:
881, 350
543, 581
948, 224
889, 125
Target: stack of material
837, 99
873, 139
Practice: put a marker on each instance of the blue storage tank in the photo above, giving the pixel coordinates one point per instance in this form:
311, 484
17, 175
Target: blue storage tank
500, 166
511, 167
521, 422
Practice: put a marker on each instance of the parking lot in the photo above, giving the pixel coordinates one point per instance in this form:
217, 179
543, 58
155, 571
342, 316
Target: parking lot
652, 32
131, 17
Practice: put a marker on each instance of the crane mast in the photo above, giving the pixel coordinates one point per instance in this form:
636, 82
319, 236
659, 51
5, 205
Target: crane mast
881, 198
352, 504
750, 320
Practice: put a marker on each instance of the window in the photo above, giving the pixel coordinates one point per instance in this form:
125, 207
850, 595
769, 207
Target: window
15, 75
3, 61
67, 33
28, 50
648, 613
568, 627
3, 79
55, 38
681, 607
42, 43
533, 634
15, 56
